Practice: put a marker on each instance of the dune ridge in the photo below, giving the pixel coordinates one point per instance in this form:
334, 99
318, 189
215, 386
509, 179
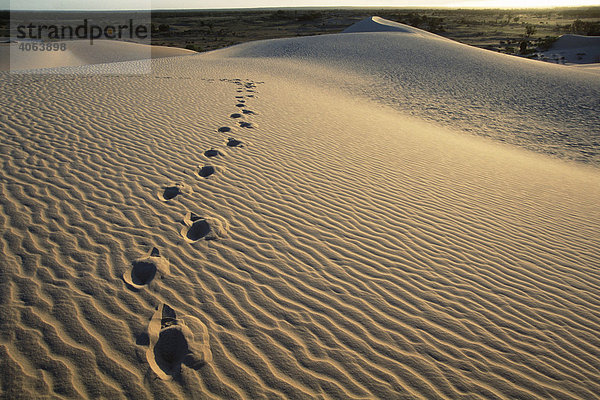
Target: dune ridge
367, 254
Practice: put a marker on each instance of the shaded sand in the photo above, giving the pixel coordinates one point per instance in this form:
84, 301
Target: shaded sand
368, 253
575, 49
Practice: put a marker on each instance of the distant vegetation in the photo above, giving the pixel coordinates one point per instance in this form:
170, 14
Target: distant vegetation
520, 32
588, 28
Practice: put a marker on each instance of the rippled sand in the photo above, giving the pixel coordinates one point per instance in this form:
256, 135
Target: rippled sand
240, 225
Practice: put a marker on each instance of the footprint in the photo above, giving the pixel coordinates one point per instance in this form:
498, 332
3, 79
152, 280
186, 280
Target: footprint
206, 171
170, 192
231, 142
174, 341
248, 112
212, 153
240, 100
224, 129
246, 125
144, 269
196, 228
250, 95
240, 105
236, 115
239, 97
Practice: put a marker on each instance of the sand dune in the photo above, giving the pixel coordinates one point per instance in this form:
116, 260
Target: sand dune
378, 24
81, 53
358, 251
544, 107
575, 49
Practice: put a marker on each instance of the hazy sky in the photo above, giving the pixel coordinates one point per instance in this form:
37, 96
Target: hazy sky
162, 4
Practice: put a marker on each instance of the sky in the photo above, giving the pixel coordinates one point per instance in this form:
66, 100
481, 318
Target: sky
211, 4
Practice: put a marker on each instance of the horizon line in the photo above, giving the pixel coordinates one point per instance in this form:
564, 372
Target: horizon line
437, 7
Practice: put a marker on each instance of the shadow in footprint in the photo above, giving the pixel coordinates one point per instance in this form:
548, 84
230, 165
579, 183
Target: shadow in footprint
170, 192
212, 153
224, 129
236, 115
246, 125
240, 105
231, 142
248, 112
174, 341
206, 171
144, 269
142, 339
197, 228
171, 348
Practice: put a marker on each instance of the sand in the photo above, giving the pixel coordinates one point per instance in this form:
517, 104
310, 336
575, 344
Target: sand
81, 53
342, 247
575, 49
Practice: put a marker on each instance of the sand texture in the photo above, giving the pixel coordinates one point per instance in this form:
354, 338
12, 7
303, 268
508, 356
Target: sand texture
278, 220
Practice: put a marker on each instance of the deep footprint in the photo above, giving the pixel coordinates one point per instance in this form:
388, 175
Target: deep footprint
170, 192
231, 142
246, 125
236, 115
144, 269
224, 129
197, 228
174, 341
248, 112
206, 171
212, 153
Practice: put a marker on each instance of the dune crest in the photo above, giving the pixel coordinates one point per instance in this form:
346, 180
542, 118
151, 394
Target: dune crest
378, 24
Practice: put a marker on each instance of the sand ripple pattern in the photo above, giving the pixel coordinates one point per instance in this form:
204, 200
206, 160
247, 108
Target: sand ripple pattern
399, 264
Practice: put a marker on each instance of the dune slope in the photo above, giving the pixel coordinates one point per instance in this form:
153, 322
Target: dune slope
241, 227
547, 108
82, 53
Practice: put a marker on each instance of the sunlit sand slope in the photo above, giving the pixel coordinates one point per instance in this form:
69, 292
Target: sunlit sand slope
548, 108
231, 228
